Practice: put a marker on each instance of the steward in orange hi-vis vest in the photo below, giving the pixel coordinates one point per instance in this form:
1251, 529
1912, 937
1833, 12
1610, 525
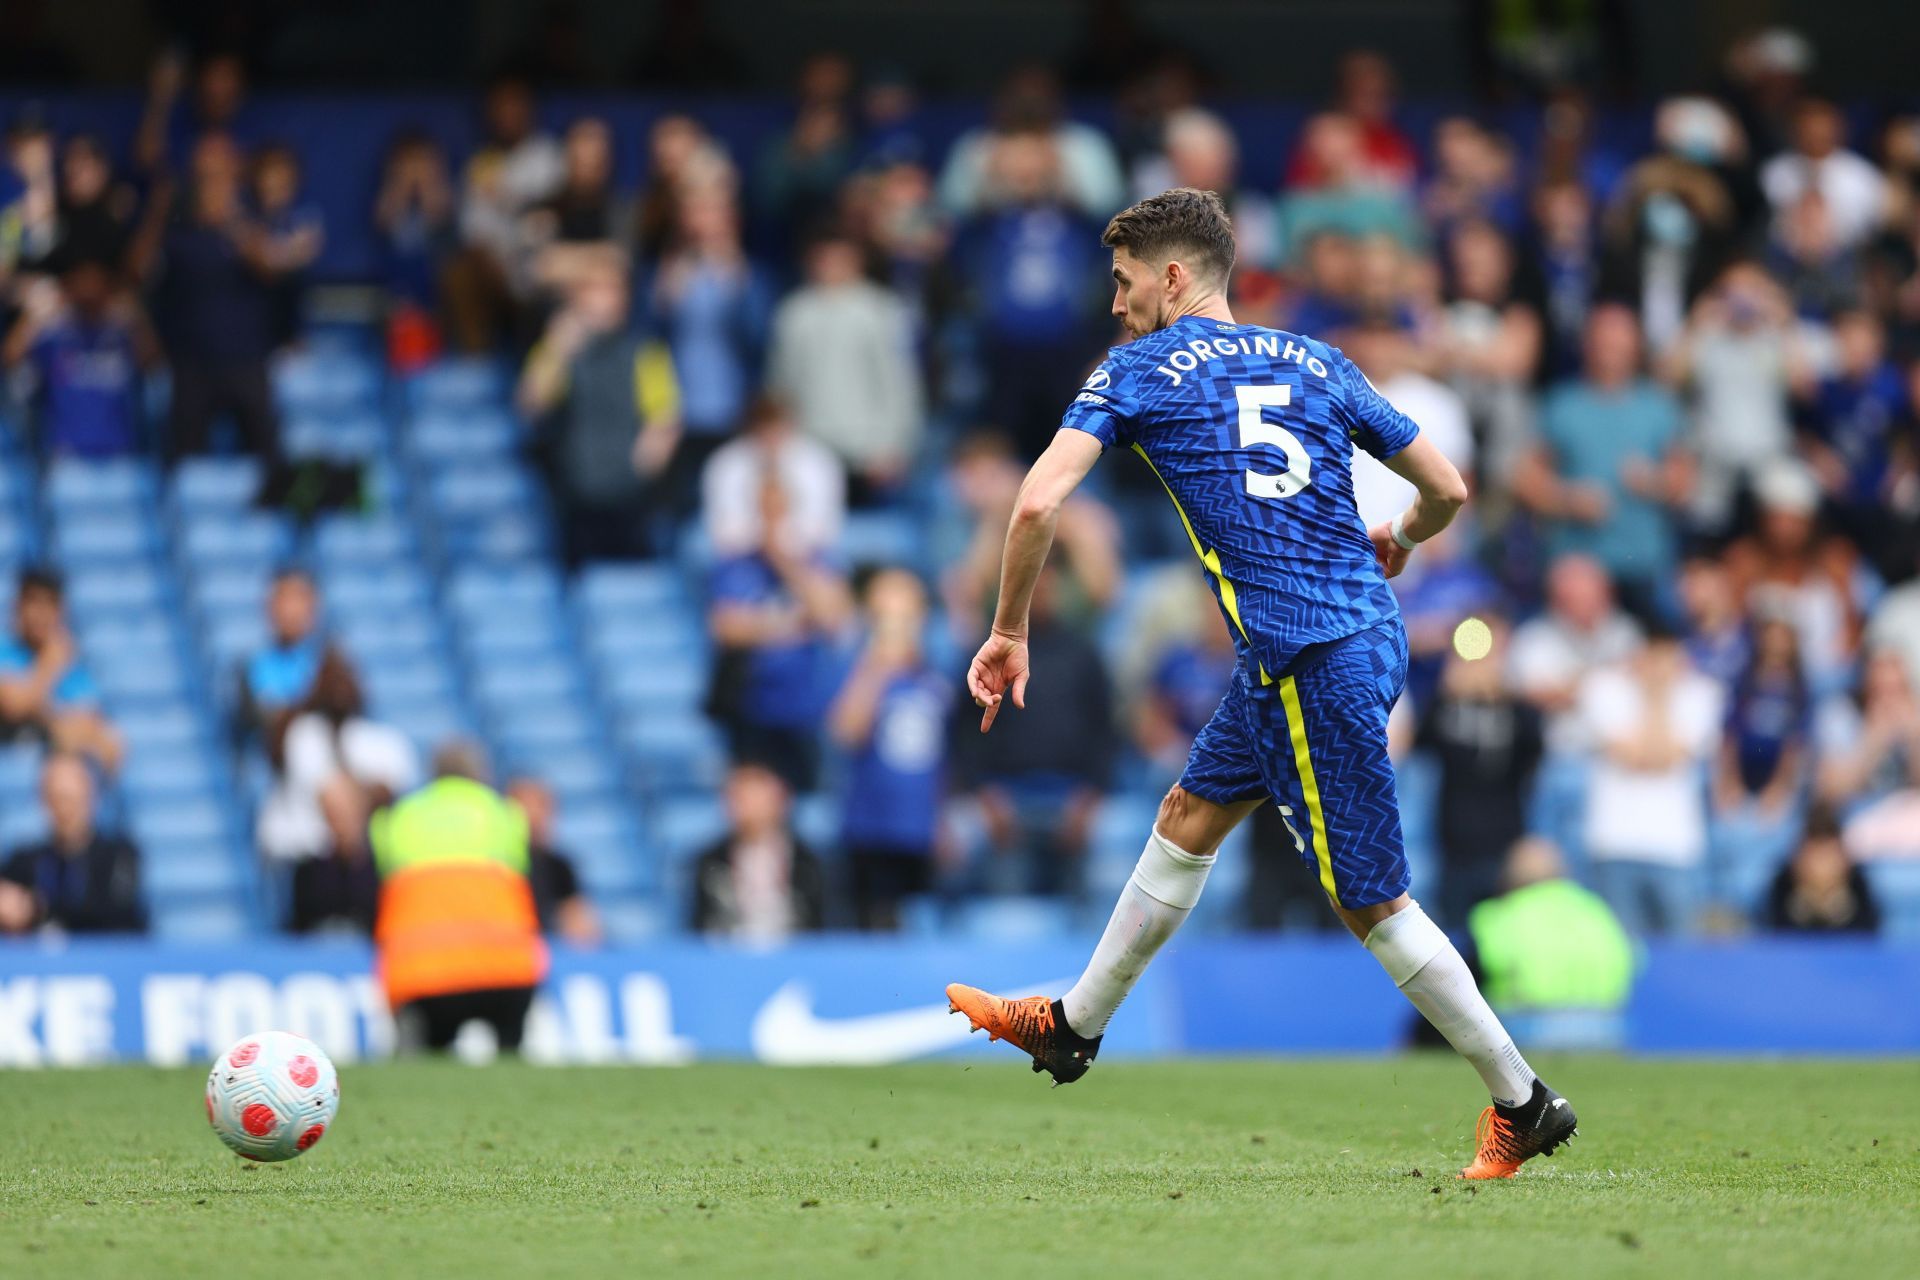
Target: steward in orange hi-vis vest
456, 912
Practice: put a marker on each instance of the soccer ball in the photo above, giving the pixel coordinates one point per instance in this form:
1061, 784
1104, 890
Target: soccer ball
272, 1095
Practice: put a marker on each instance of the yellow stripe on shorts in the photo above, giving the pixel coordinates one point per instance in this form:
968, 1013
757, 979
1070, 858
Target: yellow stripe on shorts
1309, 786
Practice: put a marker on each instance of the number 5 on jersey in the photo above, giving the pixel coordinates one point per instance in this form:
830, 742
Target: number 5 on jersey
1255, 430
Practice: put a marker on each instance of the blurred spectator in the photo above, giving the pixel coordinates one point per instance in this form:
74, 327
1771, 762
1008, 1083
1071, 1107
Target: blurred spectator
1870, 748
1609, 463
87, 344
1740, 359
331, 737
1675, 220
292, 233
414, 212
681, 160
842, 358
710, 304
276, 680
1812, 577
1040, 787
1718, 640
1034, 263
1852, 418
1487, 740
1474, 179
1567, 259
1820, 889
908, 241
890, 717
1854, 190
1342, 195
562, 905
518, 167
1820, 274
1763, 759
1184, 681
1546, 945
30, 200
338, 891
215, 309
215, 106
1385, 355
607, 403
1654, 723
1490, 340
1581, 631
758, 883
46, 694
95, 213
585, 219
772, 613
1029, 102
77, 880
457, 936
1199, 150
1365, 93
797, 181
810, 476
985, 474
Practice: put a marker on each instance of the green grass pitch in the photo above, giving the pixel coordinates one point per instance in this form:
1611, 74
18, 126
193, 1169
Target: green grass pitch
971, 1168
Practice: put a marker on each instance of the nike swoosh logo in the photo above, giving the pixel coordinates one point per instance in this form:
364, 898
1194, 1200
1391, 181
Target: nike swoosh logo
1559, 1102
787, 1032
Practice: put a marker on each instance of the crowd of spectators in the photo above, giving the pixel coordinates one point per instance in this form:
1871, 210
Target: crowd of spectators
1684, 381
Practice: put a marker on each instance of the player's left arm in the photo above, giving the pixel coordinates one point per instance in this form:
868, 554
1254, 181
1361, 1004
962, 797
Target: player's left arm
999, 670
1442, 492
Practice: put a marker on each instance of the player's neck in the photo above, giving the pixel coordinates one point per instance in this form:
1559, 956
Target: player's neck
1212, 306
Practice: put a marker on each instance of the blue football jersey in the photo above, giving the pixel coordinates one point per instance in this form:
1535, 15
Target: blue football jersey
1252, 432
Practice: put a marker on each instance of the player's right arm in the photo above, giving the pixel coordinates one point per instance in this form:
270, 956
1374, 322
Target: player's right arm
999, 670
1441, 493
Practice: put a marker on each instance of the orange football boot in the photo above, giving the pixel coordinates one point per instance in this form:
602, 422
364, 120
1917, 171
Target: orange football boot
1035, 1025
1511, 1136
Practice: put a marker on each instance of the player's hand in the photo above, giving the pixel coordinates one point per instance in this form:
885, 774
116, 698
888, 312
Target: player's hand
1391, 555
998, 670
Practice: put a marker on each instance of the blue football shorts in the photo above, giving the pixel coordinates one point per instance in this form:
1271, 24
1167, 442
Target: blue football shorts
1314, 740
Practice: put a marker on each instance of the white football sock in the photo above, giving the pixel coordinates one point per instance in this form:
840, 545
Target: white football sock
1158, 896
1432, 974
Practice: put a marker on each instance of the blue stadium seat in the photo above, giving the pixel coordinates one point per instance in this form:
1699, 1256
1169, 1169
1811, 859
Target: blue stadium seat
456, 385
254, 537
173, 867
626, 589
683, 827
103, 535
22, 823
505, 637
232, 637
76, 484
530, 588
326, 381
149, 674
399, 587
442, 436
19, 767
355, 540
218, 919
529, 728
152, 776
370, 636
673, 751
1014, 920
215, 484
340, 437
660, 681
531, 681
502, 536
199, 821
135, 635
161, 728
479, 488
394, 679
127, 587
427, 723
883, 537
17, 539
1896, 886
576, 776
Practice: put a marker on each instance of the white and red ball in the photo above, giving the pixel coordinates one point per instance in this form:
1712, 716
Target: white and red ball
272, 1095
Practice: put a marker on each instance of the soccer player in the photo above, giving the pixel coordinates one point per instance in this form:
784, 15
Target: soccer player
1252, 432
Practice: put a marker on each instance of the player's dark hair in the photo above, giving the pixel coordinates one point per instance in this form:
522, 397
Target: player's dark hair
1182, 223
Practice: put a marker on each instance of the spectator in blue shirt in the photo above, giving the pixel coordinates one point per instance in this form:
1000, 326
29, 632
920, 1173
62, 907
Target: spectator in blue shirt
711, 306
1769, 721
891, 719
275, 680
292, 234
772, 614
1031, 257
87, 344
1608, 466
45, 693
1852, 418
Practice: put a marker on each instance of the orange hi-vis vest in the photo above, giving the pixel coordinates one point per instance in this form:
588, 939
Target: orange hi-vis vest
456, 912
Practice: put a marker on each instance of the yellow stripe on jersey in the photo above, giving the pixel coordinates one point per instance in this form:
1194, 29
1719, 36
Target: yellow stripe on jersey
1210, 559
1309, 785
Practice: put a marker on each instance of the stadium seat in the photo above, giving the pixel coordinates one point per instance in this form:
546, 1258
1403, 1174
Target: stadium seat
1896, 886
453, 386
660, 681
328, 381
529, 588
122, 484
354, 541
215, 484
217, 919
255, 537
102, 535
199, 821
173, 867
609, 589
683, 827
479, 488
125, 587
532, 681
673, 751
339, 437
441, 436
